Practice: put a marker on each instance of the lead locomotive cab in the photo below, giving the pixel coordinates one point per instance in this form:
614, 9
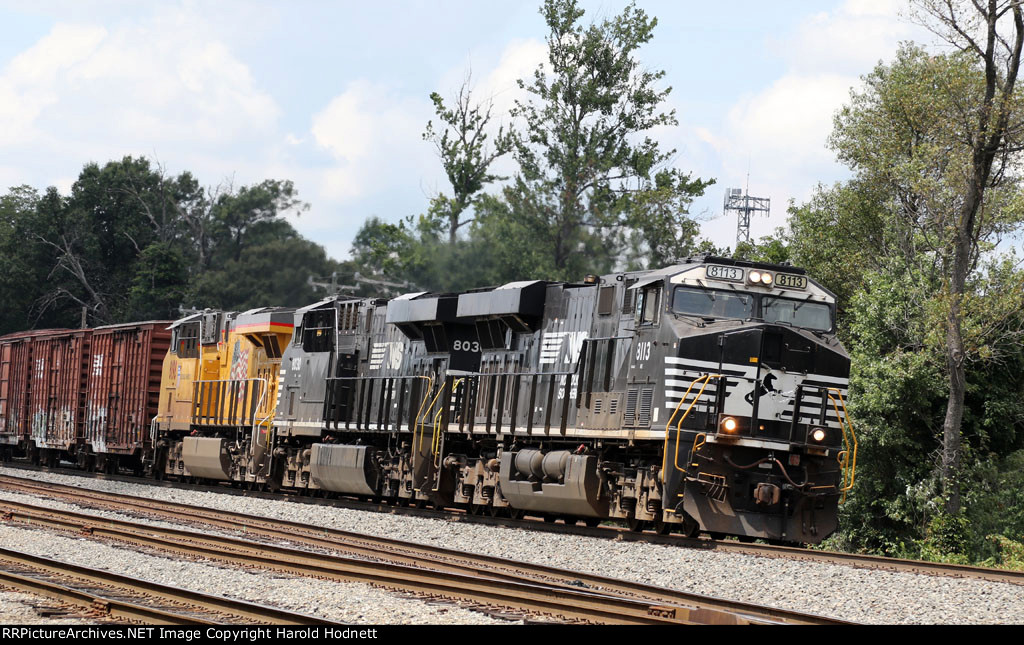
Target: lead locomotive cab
757, 442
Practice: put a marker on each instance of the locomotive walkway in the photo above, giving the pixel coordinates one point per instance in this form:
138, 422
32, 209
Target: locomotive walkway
533, 590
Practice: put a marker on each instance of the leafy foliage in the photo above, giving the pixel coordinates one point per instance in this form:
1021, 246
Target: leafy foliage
588, 168
593, 190
131, 243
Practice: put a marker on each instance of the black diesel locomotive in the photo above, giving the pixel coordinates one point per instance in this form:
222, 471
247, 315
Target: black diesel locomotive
706, 396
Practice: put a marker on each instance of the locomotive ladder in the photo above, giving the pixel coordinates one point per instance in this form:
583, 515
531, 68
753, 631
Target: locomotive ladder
847, 461
705, 379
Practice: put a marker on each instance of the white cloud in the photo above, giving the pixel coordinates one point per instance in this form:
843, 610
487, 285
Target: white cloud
138, 85
850, 40
518, 60
374, 135
29, 83
788, 122
779, 134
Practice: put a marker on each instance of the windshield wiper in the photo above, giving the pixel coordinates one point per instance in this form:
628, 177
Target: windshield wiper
707, 292
699, 319
804, 302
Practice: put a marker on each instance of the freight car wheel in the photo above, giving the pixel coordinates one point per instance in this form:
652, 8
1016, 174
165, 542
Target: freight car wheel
635, 525
661, 527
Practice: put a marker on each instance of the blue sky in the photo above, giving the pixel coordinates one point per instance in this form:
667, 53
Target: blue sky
334, 95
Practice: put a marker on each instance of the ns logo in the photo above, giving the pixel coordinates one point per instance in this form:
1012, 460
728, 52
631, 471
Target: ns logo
388, 355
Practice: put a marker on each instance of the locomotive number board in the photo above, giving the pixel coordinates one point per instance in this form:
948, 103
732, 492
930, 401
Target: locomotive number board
718, 272
790, 281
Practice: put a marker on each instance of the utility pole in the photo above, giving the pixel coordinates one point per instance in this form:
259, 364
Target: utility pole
334, 288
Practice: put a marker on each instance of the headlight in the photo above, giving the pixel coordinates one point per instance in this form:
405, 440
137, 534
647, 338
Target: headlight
729, 424
755, 276
766, 278
818, 434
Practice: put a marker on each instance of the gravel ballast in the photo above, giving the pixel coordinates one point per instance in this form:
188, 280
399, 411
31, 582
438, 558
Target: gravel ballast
18, 608
844, 592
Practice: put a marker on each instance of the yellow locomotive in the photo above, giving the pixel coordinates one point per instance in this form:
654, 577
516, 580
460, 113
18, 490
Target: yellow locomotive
219, 393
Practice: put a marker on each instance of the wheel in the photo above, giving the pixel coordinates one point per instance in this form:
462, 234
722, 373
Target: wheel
592, 522
661, 527
689, 528
635, 525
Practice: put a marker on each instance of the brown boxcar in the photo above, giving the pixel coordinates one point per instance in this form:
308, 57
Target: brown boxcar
15, 378
60, 360
123, 390
17, 371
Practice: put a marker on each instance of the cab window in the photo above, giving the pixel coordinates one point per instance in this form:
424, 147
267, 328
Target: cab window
186, 341
713, 303
648, 306
799, 313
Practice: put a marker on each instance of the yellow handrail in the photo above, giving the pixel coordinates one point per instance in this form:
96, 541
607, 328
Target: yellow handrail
664, 457
696, 446
849, 468
419, 413
435, 444
426, 414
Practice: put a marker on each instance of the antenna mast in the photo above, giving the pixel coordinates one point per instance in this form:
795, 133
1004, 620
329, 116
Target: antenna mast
738, 200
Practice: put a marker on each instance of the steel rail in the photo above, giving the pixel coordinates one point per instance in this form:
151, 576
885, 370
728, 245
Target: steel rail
865, 561
132, 599
414, 554
533, 598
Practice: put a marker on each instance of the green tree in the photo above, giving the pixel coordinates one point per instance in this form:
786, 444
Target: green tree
937, 133
275, 273
250, 216
25, 263
465, 155
132, 242
589, 171
160, 283
774, 249
96, 236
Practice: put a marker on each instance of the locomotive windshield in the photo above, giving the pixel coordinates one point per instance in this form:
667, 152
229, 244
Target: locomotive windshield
715, 303
799, 313
712, 303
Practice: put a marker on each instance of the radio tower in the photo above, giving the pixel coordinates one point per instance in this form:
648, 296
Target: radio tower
738, 200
